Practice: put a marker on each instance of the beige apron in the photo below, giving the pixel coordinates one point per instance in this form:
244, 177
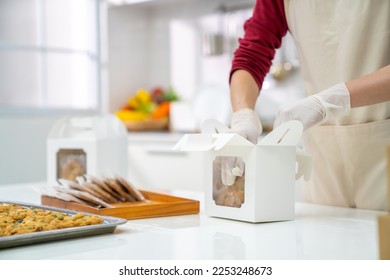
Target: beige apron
339, 40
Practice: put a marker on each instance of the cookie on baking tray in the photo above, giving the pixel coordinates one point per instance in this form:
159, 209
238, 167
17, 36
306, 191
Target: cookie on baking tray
17, 219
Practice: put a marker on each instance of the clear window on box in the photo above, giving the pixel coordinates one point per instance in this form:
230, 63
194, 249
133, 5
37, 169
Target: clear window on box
223, 195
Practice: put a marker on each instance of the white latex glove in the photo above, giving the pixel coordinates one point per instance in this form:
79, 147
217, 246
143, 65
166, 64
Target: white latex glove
330, 104
246, 123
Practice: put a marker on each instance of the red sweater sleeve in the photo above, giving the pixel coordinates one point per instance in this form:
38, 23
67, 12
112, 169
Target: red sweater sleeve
263, 35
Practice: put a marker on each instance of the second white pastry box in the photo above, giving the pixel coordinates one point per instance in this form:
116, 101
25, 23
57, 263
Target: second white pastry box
86, 145
266, 191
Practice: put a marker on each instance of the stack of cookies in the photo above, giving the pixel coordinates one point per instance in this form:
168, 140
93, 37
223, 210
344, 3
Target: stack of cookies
95, 191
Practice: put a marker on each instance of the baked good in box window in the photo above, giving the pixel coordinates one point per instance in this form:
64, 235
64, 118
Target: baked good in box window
232, 196
71, 163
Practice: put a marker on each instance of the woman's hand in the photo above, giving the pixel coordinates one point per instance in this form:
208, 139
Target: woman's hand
330, 104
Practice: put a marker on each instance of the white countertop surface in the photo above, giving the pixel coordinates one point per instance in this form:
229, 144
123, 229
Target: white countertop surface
318, 232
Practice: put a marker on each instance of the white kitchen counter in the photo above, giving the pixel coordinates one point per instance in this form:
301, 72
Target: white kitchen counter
318, 232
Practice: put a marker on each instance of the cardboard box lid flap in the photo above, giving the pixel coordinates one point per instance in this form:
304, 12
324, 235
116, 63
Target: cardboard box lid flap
195, 142
105, 126
287, 134
230, 139
208, 141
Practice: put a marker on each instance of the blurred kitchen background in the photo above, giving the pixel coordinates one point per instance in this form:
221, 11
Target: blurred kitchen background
81, 57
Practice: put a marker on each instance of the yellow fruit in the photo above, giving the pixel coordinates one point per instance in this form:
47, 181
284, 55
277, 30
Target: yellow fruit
143, 96
129, 115
134, 102
140, 101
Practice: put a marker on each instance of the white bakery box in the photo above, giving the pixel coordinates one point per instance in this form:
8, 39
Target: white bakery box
94, 145
266, 190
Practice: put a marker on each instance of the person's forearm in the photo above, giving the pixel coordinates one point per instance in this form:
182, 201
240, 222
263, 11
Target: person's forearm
370, 89
243, 90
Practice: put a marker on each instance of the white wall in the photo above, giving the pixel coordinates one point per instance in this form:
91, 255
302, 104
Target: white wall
139, 44
23, 147
127, 52
23, 133
139, 55
160, 44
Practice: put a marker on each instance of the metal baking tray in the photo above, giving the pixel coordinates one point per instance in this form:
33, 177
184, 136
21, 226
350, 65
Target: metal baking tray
108, 226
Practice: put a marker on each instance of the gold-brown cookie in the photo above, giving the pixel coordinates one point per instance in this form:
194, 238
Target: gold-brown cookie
83, 188
105, 186
21, 220
118, 188
130, 188
85, 196
101, 193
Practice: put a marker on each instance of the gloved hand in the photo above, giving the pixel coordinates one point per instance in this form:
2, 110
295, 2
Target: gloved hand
246, 123
330, 104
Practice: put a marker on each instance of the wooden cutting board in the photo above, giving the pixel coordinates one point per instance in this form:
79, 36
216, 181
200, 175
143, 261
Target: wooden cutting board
156, 205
